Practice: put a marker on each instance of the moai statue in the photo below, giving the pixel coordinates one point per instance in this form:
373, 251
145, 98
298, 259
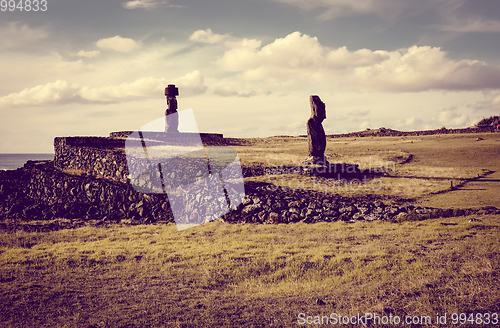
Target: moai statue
316, 137
171, 116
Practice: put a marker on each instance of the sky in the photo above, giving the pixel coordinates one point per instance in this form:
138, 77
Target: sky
245, 67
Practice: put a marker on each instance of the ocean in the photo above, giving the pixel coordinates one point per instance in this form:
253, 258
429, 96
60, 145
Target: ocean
15, 161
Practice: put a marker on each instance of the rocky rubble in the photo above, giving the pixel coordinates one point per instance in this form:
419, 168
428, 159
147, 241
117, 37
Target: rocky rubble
266, 203
40, 191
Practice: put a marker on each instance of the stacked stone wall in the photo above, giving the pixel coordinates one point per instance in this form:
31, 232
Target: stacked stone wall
105, 157
93, 156
89, 181
39, 191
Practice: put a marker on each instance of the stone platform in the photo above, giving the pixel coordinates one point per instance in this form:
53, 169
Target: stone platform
88, 181
105, 157
206, 138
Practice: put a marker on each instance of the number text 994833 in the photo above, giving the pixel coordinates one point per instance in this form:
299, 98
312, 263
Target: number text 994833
23, 5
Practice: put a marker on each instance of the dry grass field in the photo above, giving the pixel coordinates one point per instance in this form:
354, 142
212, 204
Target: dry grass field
418, 168
246, 275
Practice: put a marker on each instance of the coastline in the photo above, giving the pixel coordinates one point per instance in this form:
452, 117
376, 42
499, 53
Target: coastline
14, 161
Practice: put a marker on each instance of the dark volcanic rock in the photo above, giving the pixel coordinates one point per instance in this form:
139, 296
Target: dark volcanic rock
39, 191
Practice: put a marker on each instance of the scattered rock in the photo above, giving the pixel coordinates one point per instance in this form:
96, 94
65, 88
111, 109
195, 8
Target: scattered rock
319, 301
273, 218
249, 209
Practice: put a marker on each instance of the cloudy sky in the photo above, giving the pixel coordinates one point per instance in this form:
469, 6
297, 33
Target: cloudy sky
246, 67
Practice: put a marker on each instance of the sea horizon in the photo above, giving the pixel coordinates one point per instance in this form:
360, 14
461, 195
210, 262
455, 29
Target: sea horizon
13, 161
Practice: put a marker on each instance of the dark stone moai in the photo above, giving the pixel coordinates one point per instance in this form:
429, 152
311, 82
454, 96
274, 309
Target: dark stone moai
316, 137
171, 116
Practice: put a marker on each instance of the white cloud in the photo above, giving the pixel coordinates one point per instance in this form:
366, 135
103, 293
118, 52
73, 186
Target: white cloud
299, 57
409, 124
426, 68
207, 36
453, 119
295, 51
62, 92
243, 43
118, 43
140, 88
342, 57
296, 55
148, 4
59, 92
88, 54
191, 84
16, 34
450, 118
28, 69
143, 4
74, 67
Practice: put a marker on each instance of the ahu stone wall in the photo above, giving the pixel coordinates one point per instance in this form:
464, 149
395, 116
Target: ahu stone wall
106, 157
88, 181
40, 191
93, 156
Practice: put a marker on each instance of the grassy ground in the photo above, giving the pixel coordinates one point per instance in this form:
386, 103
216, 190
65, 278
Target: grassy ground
419, 168
221, 275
